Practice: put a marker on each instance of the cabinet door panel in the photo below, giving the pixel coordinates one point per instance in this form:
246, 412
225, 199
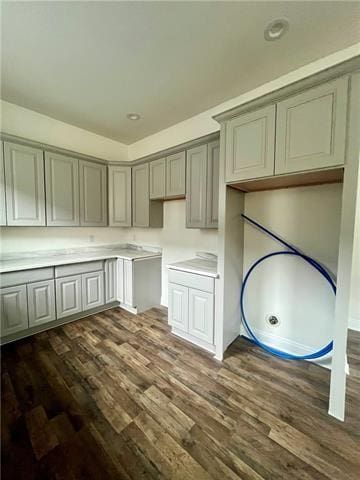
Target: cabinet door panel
128, 283
196, 181
201, 315
41, 302
119, 196
250, 145
2, 187
120, 280
157, 178
179, 306
13, 308
212, 203
92, 290
25, 190
68, 296
175, 175
93, 195
111, 273
311, 128
62, 190
140, 195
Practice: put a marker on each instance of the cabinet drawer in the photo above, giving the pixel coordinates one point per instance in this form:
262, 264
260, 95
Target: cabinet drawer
26, 276
192, 280
77, 268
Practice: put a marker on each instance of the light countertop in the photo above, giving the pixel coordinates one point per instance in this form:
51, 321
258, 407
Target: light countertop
48, 258
197, 265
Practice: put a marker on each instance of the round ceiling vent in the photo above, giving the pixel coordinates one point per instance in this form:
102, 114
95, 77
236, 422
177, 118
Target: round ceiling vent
276, 29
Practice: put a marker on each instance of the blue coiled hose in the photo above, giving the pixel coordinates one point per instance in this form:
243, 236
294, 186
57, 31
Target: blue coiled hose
313, 263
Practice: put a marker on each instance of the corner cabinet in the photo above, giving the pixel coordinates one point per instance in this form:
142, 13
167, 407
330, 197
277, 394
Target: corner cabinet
145, 212
25, 189
119, 196
202, 186
62, 190
2, 187
250, 145
93, 194
311, 128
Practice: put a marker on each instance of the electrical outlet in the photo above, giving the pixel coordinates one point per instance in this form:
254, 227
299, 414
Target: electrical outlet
92, 238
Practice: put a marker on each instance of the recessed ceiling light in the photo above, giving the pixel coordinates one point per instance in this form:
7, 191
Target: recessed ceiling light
133, 116
276, 29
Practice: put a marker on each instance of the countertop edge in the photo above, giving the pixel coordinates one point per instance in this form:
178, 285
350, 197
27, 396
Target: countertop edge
196, 271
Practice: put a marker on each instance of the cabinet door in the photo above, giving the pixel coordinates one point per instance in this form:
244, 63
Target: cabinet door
68, 296
13, 308
120, 196
92, 287
25, 190
201, 315
175, 175
196, 168
2, 187
93, 194
128, 283
120, 280
157, 178
62, 190
41, 302
250, 145
140, 195
111, 273
311, 128
212, 202
179, 306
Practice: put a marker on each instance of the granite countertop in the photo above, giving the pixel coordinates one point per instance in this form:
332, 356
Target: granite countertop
48, 258
201, 265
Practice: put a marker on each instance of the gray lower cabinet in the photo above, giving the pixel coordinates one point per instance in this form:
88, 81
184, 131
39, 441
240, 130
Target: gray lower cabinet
158, 178
250, 145
111, 280
175, 175
202, 189
14, 311
178, 307
2, 187
41, 302
92, 285
119, 196
145, 212
25, 190
201, 315
68, 296
93, 194
62, 190
311, 128
196, 182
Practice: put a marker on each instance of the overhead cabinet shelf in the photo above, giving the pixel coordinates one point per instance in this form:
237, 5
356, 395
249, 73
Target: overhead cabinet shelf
302, 133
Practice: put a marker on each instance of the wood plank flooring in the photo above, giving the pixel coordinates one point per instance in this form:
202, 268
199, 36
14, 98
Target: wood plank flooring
116, 396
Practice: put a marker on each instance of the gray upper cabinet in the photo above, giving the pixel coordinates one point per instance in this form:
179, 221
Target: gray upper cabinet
145, 212
93, 194
25, 191
175, 175
157, 178
250, 145
41, 302
62, 190
212, 201
13, 309
196, 184
311, 128
119, 196
2, 187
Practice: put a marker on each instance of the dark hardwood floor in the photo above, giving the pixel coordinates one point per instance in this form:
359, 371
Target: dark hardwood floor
116, 396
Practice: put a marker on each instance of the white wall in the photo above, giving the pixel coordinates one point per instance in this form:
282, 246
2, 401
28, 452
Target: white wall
31, 125
309, 219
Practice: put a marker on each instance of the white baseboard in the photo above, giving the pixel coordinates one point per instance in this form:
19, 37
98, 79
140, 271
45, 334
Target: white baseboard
354, 323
